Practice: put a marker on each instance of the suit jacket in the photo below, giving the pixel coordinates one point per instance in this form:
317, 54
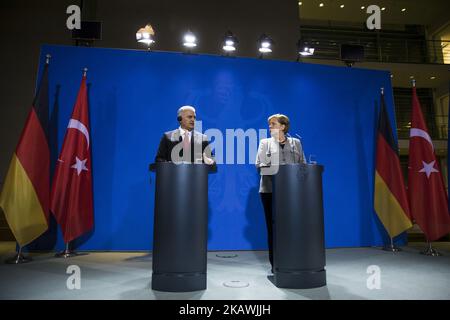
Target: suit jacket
172, 139
271, 153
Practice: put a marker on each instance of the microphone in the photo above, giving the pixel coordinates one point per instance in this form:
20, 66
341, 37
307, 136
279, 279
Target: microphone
181, 152
268, 152
268, 160
292, 145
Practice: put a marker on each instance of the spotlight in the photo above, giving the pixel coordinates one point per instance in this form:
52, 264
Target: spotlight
265, 44
146, 35
229, 42
190, 41
304, 49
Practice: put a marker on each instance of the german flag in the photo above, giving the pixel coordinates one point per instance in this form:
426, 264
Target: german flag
390, 199
25, 195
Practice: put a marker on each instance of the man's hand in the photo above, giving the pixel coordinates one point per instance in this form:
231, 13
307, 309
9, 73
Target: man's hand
207, 160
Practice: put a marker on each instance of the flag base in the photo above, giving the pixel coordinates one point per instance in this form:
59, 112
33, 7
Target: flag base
431, 252
391, 248
19, 258
66, 254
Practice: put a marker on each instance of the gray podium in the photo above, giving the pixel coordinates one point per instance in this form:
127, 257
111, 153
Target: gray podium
299, 245
180, 226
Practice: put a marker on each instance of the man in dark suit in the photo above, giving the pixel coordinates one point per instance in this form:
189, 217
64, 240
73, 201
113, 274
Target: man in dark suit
185, 144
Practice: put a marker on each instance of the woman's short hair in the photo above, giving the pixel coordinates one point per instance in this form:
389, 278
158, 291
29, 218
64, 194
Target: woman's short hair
282, 119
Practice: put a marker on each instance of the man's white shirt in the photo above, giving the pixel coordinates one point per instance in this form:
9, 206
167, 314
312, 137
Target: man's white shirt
182, 133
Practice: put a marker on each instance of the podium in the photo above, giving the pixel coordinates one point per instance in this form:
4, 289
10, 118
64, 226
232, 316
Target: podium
298, 243
180, 226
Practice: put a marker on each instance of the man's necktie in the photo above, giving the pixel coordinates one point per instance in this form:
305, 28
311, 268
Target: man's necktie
186, 147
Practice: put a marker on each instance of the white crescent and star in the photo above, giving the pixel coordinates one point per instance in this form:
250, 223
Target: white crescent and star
79, 165
428, 168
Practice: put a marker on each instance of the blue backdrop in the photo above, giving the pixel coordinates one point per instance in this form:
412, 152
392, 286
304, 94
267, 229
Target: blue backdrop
134, 96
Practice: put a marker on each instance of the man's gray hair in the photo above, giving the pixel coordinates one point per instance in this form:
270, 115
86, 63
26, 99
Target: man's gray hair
184, 108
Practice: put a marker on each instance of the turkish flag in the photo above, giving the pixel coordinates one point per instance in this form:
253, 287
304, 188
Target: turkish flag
71, 195
427, 195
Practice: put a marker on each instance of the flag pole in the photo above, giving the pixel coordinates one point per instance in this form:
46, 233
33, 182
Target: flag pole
429, 251
18, 258
392, 247
67, 252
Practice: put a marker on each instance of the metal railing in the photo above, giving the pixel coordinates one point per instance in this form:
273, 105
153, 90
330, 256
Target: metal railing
378, 46
442, 126
402, 102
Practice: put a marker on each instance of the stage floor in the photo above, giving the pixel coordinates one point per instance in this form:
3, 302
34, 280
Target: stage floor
127, 275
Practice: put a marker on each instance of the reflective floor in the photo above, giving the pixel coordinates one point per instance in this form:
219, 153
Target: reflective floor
352, 273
